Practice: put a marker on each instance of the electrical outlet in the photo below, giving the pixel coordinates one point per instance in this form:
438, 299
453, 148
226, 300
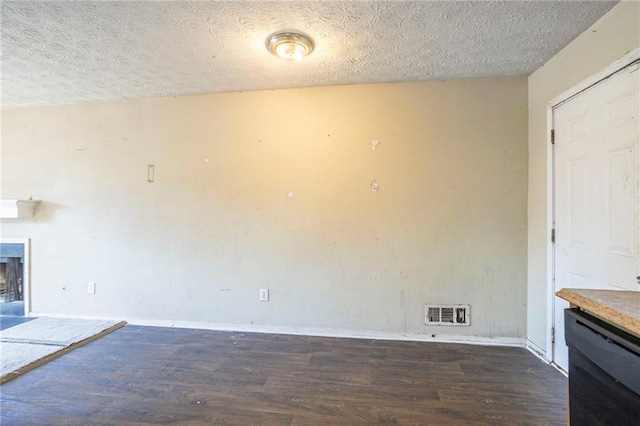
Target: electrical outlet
91, 288
264, 294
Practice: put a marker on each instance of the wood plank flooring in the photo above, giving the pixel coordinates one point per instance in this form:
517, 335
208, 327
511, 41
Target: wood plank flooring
152, 375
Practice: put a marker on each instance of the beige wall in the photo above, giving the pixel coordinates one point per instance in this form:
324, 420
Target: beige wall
614, 35
447, 225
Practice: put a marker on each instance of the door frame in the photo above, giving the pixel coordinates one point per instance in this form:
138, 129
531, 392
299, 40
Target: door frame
611, 69
26, 270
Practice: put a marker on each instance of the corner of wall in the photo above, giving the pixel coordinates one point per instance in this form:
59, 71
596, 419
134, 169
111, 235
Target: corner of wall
610, 38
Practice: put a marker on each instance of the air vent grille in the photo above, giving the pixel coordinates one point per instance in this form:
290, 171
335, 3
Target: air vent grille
433, 314
447, 315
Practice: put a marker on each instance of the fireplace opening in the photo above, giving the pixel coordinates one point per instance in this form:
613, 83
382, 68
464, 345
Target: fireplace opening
11, 279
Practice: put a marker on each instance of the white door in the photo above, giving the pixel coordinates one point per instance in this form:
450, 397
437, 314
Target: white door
596, 192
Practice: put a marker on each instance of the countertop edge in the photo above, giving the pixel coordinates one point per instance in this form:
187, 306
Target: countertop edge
619, 319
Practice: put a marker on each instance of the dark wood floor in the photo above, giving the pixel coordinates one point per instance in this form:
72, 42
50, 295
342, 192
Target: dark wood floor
149, 375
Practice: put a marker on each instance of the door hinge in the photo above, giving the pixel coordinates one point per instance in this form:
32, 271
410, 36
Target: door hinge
553, 334
553, 236
553, 136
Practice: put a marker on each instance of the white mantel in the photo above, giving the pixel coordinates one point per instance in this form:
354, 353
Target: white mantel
12, 209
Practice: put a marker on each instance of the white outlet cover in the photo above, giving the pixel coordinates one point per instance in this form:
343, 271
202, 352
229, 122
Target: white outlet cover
91, 288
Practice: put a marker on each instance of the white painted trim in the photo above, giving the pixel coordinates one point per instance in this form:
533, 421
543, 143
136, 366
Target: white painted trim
557, 367
611, 69
26, 270
14, 209
548, 350
538, 352
319, 332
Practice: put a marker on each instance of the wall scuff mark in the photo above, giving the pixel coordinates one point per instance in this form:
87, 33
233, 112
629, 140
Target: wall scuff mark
374, 144
374, 186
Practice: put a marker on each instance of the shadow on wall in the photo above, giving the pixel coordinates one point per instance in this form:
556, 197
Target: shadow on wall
44, 212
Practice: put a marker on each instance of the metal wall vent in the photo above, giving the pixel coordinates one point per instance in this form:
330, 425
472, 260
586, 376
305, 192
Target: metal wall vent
447, 314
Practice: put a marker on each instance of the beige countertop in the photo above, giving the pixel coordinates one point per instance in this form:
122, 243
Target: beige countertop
620, 308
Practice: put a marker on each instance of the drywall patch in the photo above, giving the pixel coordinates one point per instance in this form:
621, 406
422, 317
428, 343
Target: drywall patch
374, 144
375, 187
290, 195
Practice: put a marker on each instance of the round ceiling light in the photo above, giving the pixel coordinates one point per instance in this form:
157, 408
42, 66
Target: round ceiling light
290, 45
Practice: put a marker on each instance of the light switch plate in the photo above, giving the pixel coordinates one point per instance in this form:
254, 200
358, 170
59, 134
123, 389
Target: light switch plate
264, 294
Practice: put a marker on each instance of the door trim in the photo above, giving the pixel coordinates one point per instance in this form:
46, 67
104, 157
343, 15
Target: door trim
611, 69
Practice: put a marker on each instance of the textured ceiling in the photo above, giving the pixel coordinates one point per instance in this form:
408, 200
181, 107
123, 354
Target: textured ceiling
83, 51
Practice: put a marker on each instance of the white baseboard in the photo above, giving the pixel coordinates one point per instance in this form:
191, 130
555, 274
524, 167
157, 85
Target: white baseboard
320, 332
84, 317
538, 352
554, 365
329, 332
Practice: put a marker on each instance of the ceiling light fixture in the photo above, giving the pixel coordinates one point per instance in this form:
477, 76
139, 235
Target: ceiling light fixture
290, 45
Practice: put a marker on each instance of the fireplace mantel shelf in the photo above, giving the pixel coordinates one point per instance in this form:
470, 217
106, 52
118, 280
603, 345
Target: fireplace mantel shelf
14, 209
